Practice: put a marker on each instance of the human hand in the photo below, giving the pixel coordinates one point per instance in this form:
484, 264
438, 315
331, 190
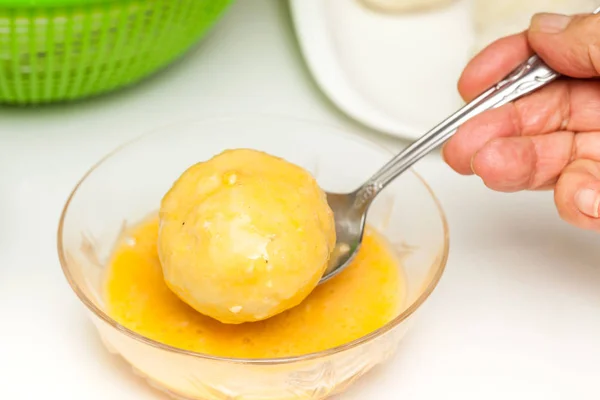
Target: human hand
549, 140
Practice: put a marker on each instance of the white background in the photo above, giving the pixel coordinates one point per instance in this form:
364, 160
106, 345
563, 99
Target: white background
517, 314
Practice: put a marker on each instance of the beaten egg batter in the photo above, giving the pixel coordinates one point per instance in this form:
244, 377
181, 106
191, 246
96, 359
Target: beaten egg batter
361, 299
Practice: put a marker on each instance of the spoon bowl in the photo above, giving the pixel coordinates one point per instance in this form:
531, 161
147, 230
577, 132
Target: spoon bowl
349, 228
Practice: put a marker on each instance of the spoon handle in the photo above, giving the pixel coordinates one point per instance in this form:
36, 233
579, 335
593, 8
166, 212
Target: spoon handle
528, 77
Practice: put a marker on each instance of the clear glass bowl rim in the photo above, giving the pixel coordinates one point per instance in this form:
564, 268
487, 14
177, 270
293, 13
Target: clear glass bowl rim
262, 361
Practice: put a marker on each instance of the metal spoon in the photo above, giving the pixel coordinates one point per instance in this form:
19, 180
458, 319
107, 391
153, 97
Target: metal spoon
350, 209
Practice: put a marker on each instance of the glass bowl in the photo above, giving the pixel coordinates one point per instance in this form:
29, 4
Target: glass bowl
127, 185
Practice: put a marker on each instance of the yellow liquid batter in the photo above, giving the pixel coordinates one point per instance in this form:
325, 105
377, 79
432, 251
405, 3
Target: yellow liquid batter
364, 297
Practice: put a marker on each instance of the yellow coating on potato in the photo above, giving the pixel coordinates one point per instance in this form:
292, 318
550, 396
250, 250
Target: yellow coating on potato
244, 236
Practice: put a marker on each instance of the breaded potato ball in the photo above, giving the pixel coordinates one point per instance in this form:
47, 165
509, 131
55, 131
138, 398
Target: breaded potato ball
244, 236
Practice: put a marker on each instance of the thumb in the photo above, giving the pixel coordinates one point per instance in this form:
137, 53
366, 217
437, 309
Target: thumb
577, 194
569, 44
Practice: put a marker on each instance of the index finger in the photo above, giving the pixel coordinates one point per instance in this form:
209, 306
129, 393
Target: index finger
492, 64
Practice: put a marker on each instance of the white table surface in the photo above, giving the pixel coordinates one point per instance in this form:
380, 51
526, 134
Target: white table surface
516, 316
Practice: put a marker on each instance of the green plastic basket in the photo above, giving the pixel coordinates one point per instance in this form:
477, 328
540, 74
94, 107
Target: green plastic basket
59, 50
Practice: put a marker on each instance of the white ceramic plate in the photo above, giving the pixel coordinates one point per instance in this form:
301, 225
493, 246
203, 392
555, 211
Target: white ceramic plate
394, 73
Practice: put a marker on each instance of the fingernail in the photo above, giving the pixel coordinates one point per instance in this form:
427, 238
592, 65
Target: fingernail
472, 164
549, 23
588, 202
